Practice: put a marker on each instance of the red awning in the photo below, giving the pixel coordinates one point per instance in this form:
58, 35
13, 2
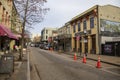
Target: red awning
4, 31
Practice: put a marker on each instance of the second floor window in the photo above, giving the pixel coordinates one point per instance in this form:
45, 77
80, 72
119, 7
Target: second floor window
84, 25
46, 37
79, 27
92, 22
46, 31
74, 28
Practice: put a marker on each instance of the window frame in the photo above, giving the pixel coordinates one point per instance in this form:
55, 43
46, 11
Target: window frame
92, 22
79, 26
74, 28
84, 24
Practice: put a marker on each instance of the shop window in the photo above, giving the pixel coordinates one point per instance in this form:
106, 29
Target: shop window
92, 22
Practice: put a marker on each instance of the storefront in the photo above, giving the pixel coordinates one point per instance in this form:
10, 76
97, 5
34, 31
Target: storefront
7, 39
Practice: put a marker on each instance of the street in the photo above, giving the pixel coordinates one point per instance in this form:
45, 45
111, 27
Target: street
46, 65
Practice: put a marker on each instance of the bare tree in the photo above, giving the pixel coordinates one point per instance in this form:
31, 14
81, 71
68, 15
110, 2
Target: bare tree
30, 12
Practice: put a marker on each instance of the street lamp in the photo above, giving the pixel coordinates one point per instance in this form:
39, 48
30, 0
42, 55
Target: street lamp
85, 41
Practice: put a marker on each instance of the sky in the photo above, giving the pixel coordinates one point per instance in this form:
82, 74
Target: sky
62, 11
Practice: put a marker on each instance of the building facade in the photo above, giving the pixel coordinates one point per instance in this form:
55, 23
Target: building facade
7, 25
64, 37
92, 28
46, 33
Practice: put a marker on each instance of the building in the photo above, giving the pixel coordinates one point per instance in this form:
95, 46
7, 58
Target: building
64, 37
96, 27
8, 26
37, 38
47, 33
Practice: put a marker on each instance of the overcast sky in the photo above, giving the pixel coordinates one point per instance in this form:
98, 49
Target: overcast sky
61, 11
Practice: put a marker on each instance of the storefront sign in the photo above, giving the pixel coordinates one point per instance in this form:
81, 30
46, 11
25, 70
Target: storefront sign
108, 48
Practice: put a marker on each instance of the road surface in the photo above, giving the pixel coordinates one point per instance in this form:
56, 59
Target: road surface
47, 65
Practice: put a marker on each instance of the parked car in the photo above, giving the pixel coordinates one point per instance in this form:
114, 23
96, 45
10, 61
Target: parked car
32, 45
46, 47
41, 46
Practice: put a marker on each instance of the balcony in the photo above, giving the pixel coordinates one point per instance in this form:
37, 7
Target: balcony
64, 36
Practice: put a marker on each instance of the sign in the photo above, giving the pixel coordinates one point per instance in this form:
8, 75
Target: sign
78, 38
108, 48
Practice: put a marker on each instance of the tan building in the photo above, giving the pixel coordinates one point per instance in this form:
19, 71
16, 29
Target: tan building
94, 28
37, 38
64, 37
8, 18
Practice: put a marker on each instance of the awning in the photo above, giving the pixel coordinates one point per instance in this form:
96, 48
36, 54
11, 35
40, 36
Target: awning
4, 31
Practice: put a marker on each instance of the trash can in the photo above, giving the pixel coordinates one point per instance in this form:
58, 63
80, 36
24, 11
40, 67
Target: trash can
6, 64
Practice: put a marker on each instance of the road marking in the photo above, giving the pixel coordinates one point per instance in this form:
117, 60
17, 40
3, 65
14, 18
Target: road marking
111, 72
37, 72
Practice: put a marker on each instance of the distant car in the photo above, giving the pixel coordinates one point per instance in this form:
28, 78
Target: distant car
32, 45
36, 45
41, 46
46, 47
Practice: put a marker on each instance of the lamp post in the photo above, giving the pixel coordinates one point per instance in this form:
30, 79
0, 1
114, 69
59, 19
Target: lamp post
85, 41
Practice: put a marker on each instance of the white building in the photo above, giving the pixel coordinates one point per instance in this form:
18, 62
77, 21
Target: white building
46, 33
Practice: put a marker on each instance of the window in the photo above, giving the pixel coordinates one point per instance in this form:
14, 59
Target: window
92, 22
79, 27
46, 31
3, 14
46, 37
84, 25
74, 28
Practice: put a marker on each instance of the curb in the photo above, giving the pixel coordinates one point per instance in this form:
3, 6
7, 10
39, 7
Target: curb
105, 62
28, 64
97, 60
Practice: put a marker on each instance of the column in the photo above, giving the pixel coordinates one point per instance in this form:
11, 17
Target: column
73, 45
89, 44
97, 44
83, 45
78, 45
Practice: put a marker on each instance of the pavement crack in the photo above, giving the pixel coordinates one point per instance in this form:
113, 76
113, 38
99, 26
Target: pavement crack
37, 72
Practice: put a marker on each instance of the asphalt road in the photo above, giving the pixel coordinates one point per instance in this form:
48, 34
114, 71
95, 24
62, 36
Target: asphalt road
46, 65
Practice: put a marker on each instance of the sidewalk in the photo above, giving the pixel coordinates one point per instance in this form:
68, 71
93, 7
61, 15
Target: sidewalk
113, 60
20, 69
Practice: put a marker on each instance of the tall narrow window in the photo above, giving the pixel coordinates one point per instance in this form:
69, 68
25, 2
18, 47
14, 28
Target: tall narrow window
79, 26
92, 22
6, 17
74, 28
46, 31
3, 14
84, 25
46, 37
